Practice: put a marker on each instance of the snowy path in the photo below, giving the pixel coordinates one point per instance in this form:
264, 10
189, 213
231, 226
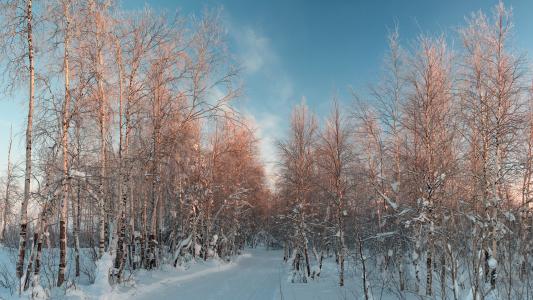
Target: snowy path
255, 275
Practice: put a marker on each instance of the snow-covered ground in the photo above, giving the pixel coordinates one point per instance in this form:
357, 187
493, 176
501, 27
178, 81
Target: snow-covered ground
256, 274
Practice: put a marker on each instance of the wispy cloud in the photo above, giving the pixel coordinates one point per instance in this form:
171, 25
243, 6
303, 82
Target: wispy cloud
260, 60
256, 50
264, 73
267, 130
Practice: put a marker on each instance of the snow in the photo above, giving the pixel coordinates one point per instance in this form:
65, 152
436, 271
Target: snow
257, 274
493, 263
404, 211
383, 235
76, 173
38, 292
509, 215
391, 203
253, 275
395, 185
211, 253
100, 289
8, 257
197, 249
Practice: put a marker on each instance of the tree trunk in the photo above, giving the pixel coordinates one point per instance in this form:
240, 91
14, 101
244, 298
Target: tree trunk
42, 235
307, 264
29, 270
156, 139
123, 178
27, 173
144, 232
416, 265
8, 188
366, 289
443, 276
429, 265
103, 137
64, 142
35, 257
76, 212
341, 250
400, 272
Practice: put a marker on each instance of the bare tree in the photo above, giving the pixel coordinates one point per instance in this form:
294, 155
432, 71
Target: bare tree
492, 102
429, 121
18, 40
8, 191
298, 161
64, 144
335, 159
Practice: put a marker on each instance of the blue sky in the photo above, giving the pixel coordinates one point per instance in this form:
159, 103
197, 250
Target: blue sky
308, 49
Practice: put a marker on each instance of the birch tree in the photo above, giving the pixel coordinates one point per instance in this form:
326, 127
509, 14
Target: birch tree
336, 158
9, 183
430, 124
299, 162
17, 34
492, 96
65, 150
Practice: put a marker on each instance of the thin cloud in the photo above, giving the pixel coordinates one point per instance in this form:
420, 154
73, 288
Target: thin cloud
256, 51
267, 130
262, 64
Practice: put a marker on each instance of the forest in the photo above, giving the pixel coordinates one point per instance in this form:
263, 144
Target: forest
138, 165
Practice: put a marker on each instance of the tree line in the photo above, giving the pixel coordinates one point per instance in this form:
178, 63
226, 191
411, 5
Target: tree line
133, 148
427, 179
